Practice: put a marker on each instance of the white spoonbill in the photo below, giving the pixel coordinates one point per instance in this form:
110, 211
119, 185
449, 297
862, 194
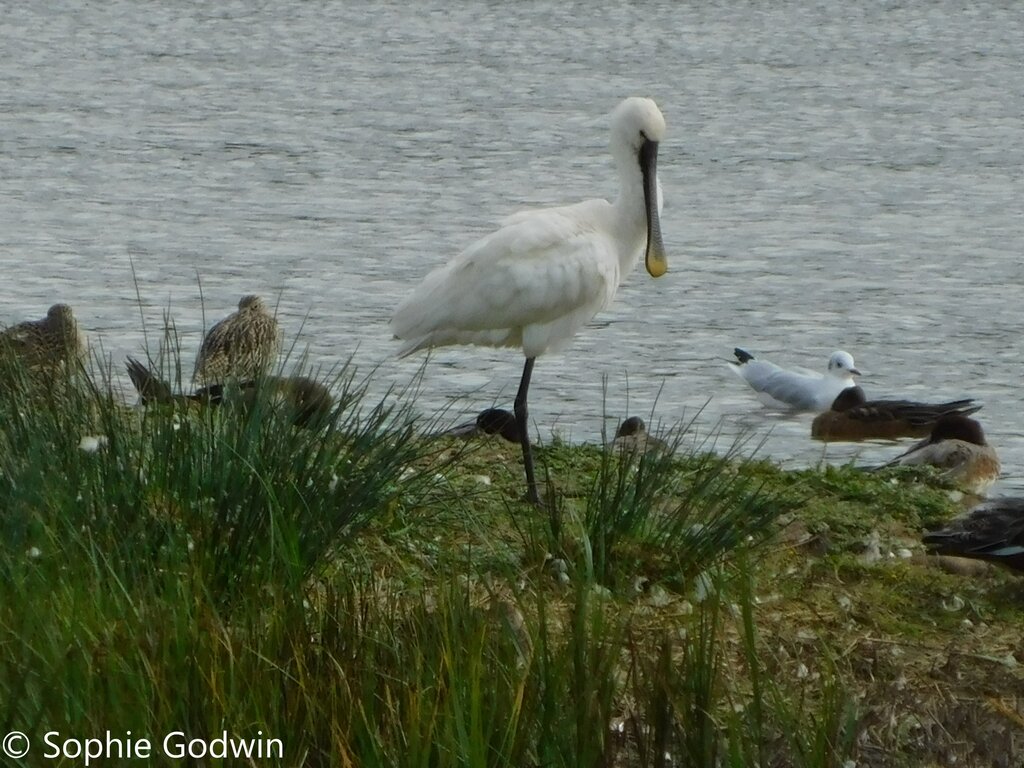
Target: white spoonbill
798, 390
535, 281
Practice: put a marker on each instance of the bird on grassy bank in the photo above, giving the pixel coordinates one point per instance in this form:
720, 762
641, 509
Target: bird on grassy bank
958, 448
493, 421
853, 417
307, 402
540, 277
797, 390
47, 344
991, 531
632, 435
243, 346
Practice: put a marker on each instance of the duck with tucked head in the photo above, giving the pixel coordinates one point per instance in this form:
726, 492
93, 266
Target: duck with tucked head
632, 435
853, 417
992, 531
958, 448
307, 402
492, 421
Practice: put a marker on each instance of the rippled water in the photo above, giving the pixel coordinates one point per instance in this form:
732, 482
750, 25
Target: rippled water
835, 177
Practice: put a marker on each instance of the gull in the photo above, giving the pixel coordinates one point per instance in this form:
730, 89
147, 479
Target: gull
543, 274
797, 390
853, 417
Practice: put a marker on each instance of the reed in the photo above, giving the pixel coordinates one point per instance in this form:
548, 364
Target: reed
200, 569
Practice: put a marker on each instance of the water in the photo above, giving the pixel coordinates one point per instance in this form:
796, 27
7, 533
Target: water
835, 177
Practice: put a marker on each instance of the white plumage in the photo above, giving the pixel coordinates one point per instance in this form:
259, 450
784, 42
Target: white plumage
798, 390
544, 274
531, 284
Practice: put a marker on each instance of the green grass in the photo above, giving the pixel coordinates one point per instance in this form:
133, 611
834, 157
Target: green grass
376, 598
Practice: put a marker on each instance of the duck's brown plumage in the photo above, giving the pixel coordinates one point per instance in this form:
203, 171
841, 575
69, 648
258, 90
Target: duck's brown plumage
307, 401
958, 448
853, 417
632, 435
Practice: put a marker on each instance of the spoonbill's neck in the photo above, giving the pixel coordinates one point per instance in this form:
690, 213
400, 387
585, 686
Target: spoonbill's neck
629, 211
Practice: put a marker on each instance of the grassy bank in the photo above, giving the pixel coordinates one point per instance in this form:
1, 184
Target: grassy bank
372, 597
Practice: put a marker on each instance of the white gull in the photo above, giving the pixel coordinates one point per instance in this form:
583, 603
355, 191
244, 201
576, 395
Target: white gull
796, 390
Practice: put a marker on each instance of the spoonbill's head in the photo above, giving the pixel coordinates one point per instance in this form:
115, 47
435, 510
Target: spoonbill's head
637, 127
842, 366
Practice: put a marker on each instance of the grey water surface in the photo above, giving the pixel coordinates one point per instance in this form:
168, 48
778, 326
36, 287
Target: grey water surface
836, 176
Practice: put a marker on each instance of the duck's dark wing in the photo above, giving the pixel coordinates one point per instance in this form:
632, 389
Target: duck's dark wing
913, 413
886, 419
150, 387
992, 531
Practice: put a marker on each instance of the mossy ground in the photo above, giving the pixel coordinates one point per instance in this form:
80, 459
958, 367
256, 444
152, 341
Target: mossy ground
929, 649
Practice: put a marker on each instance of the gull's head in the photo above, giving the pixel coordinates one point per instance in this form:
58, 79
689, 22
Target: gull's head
842, 366
637, 127
60, 312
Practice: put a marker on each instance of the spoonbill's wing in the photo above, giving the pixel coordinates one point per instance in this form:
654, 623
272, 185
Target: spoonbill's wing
535, 281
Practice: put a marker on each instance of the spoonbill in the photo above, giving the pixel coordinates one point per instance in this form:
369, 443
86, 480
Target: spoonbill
43, 345
853, 417
242, 346
543, 274
798, 390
